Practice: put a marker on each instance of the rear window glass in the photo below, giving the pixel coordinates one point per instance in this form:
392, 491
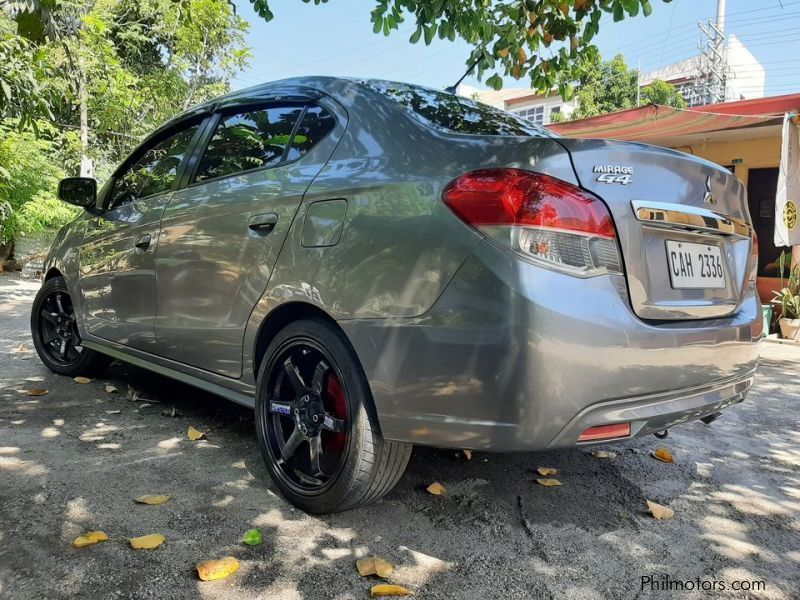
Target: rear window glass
456, 113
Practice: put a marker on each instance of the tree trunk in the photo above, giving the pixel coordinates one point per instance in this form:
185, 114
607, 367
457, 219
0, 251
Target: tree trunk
87, 168
196, 75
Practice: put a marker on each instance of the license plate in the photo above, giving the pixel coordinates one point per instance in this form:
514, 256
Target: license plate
694, 266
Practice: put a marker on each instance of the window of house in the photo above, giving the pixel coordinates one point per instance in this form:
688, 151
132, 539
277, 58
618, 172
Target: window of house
554, 111
249, 140
155, 171
534, 114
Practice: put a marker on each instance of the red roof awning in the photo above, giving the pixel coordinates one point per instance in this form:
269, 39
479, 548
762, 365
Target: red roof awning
655, 121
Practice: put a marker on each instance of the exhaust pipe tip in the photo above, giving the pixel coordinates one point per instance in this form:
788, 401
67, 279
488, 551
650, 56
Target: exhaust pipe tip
661, 434
711, 418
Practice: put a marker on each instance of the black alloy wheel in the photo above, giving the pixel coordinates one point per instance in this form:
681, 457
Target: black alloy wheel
58, 331
307, 417
316, 422
54, 328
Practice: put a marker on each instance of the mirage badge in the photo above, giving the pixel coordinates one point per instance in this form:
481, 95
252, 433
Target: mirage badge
614, 174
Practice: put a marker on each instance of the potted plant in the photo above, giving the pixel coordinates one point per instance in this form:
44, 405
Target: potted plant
789, 299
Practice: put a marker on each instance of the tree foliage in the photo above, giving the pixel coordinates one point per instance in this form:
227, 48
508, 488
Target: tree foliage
137, 62
612, 86
549, 42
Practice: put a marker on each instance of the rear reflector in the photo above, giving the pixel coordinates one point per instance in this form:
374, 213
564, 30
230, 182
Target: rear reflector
605, 432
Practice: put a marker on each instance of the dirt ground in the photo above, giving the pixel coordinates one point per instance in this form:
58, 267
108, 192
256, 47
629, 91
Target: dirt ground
73, 460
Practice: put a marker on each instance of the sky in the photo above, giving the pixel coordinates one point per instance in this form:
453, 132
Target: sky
336, 38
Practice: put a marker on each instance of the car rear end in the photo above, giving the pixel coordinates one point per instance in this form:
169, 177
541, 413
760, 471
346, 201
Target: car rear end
610, 293
638, 287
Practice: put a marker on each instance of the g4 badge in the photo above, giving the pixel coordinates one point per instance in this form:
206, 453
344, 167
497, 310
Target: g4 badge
614, 174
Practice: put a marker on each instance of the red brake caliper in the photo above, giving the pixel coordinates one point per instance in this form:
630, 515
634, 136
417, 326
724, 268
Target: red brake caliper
337, 406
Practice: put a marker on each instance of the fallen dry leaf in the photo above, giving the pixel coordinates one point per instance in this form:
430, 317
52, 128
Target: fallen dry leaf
604, 454
89, 539
152, 500
147, 542
195, 434
35, 392
545, 471
386, 589
208, 570
548, 482
436, 488
113, 412
82, 380
664, 455
661, 513
372, 565
467, 454
111, 389
21, 349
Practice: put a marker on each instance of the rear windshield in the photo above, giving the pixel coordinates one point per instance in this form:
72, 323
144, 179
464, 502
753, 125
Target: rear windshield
456, 113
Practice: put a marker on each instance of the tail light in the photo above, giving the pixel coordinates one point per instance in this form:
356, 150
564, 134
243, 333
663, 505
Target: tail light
753, 258
539, 217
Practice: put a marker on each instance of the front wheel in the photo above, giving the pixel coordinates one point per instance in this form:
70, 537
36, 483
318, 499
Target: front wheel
55, 333
320, 443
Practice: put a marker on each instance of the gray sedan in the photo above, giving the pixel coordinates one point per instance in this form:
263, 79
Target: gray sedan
372, 265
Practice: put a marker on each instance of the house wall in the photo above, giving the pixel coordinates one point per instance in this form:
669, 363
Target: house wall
548, 103
754, 153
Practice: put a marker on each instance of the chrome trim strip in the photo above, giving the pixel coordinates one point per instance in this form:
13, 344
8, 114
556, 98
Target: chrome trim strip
689, 217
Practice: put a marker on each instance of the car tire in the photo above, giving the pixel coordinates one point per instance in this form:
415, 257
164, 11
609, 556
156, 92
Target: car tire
55, 333
360, 465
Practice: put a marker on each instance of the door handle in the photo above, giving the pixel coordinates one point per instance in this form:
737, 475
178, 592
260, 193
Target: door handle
263, 223
142, 242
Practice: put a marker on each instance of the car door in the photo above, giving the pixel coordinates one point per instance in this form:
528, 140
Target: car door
221, 235
117, 257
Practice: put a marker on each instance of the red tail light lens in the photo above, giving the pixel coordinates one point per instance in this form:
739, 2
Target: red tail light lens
516, 197
538, 216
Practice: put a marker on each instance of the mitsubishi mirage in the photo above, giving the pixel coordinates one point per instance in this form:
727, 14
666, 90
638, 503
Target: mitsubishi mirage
372, 265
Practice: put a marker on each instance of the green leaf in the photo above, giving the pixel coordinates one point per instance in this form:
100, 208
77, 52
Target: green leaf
416, 35
495, 82
429, 33
619, 14
253, 537
647, 8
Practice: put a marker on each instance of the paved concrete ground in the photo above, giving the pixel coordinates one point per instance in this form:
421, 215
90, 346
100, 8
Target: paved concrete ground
69, 463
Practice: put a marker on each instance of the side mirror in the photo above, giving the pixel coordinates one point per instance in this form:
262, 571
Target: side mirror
80, 191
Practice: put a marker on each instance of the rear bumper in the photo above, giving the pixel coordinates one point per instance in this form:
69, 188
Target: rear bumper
657, 412
517, 357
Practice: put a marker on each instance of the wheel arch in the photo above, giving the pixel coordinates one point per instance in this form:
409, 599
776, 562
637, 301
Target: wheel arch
289, 312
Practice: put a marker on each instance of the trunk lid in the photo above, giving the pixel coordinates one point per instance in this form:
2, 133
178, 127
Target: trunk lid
683, 226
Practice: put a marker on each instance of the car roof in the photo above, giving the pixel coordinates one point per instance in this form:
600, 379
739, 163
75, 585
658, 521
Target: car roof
299, 89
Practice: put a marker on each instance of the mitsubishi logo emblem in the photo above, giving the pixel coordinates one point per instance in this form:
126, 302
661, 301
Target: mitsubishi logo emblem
709, 197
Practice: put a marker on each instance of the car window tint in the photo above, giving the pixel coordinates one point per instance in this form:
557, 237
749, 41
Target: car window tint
248, 140
316, 124
456, 113
155, 171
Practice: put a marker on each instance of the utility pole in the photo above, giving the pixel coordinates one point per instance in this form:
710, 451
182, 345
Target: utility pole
710, 86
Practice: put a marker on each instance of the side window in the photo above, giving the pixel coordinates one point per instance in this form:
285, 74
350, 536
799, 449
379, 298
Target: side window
316, 124
249, 140
155, 171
